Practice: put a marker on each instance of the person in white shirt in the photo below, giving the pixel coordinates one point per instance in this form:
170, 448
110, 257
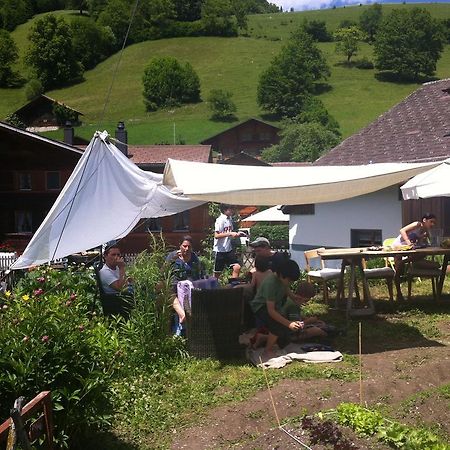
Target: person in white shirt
223, 250
112, 274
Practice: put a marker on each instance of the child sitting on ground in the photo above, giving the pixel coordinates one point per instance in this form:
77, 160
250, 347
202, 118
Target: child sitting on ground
312, 326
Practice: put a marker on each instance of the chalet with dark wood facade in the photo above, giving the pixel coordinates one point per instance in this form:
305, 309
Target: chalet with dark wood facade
32, 173
40, 113
251, 137
34, 169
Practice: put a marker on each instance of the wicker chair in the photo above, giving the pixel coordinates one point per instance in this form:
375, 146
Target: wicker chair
214, 322
112, 304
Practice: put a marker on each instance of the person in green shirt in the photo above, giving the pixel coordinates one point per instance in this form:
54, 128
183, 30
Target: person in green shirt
269, 302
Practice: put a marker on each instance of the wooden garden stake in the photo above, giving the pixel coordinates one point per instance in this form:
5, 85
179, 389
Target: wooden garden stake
360, 368
296, 439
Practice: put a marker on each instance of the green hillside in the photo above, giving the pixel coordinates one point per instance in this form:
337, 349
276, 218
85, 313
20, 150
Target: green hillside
356, 97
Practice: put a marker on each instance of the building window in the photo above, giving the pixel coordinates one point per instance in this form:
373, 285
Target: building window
154, 225
181, 221
246, 136
24, 221
365, 238
25, 181
265, 136
308, 209
53, 181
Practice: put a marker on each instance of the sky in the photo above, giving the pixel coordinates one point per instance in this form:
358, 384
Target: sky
301, 5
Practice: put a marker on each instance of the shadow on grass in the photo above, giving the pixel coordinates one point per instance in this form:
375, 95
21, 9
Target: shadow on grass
391, 77
105, 440
396, 326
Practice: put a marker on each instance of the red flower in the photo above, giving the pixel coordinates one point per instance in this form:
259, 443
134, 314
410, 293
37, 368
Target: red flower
38, 292
45, 339
41, 279
73, 297
81, 327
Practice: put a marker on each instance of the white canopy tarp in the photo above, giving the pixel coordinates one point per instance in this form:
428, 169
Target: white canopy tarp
250, 185
432, 183
103, 199
273, 214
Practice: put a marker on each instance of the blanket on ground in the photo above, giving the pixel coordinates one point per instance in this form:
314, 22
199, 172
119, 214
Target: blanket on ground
293, 352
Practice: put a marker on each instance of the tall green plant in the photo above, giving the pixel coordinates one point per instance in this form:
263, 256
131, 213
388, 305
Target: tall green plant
147, 334
51, 340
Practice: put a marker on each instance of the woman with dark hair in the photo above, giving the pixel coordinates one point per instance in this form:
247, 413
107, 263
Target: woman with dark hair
417, 235
186, 266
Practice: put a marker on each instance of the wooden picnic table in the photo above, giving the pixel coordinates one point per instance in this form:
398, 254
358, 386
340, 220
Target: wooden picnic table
353, 257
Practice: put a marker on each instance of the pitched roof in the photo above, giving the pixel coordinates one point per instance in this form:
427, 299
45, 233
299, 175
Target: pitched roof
43, 99
158, 154
28, 135
416, 129
252, 119
245, 159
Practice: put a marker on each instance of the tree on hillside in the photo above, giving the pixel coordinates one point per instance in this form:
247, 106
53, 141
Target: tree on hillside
51, 52
80, 5
96, 7
221, 105
409, 43
91, 42
168, 83
347, 41
301, 143
314, 111
187, 10
370, 20
292, 76
14, 12
317, 29
217, 18
8, 56
116, 15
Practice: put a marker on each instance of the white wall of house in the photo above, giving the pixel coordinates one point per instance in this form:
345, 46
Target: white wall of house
330, 226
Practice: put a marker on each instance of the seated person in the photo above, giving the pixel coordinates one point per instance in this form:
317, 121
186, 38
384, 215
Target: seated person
186, 266
261, 247
112, 274
313, 326
269, 302
262, 270
416, 234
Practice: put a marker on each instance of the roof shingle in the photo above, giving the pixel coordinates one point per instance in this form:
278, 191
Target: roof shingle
416, 129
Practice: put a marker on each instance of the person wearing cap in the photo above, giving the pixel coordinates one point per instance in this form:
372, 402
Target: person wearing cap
223, 250
261, 247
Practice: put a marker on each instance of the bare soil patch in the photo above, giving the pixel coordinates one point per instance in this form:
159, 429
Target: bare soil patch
390, 378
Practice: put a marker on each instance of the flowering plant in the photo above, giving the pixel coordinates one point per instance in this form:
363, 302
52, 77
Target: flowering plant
7, 247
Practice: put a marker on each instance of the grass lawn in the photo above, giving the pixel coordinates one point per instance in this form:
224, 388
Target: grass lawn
153, 405
355, 99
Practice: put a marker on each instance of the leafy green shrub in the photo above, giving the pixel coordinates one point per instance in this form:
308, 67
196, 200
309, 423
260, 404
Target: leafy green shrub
220, 104
64, 114
272, 232
51, 340
33, 89
147, 335
364, 63
169, 83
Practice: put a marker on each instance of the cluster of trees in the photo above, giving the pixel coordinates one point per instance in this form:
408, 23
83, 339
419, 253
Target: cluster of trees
61, 50
287, 88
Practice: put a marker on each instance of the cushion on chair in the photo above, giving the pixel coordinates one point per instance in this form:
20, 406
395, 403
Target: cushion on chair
325, 274
412, 272
379, 272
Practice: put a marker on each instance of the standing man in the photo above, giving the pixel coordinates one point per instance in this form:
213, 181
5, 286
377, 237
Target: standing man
112, 274
223, 250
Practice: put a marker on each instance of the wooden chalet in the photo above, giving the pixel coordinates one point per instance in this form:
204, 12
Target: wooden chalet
39, 113
250, 136
33, 171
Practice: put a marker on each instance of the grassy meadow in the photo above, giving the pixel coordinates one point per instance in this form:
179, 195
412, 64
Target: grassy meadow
355, 96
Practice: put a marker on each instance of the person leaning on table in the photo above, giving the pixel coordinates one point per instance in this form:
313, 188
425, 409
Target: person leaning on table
417, 235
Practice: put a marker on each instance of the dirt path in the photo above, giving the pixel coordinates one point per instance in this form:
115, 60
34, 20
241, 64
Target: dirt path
389, 378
